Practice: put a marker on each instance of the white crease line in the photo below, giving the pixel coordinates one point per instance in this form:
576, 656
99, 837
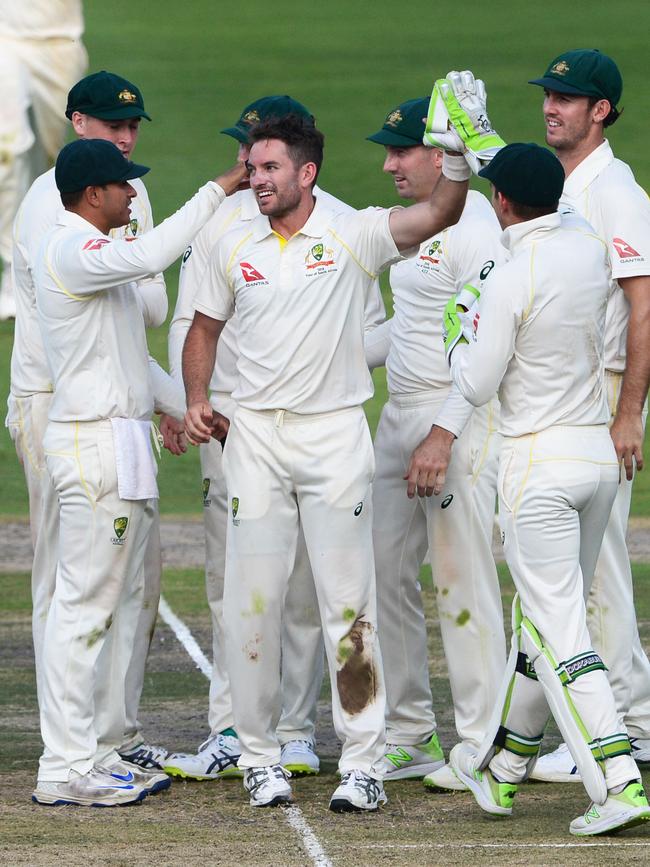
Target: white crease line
294, 815
182, 632
511, 844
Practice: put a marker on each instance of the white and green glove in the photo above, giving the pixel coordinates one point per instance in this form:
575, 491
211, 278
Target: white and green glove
458, 319
458, 119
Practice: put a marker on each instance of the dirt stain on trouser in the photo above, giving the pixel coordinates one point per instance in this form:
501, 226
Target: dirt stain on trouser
356, 680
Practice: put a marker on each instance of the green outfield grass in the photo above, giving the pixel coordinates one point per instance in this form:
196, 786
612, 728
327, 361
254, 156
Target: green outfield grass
198, 63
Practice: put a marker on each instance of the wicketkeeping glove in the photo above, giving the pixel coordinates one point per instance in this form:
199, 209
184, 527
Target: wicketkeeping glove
464, 100
458, 319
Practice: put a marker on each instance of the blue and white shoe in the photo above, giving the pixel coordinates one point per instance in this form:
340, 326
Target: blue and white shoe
151, 757
358, 792
125, 772
97, 788
268, 786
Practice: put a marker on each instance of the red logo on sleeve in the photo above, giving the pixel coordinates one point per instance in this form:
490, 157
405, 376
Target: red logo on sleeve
623, 249
95, 244
249, 273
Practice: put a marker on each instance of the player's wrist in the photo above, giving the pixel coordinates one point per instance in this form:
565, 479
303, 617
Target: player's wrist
455, 168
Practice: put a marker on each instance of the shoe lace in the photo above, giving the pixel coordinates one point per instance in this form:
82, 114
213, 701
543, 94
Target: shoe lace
257, 777
365, 783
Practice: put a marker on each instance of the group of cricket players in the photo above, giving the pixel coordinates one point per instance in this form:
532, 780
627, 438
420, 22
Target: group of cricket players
517, 364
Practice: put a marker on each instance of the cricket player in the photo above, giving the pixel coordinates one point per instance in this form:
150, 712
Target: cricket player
302, 643
41, 56
456, 526
537, 334
101, 105
582, 89
98, 453
299, 449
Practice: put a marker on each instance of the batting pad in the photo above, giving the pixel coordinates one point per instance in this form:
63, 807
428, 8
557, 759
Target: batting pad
574, 732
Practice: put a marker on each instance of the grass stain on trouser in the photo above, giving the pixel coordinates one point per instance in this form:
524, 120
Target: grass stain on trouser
357, 679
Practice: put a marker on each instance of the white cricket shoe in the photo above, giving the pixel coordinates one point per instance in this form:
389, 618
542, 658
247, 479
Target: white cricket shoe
625, 810
153, 781
300, 757
491, 795
444, 780
97, 788
412, 762
148, 756
356, 792
217, 758
556, 767
268, 786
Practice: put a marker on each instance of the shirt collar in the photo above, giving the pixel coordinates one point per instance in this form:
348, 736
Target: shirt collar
315, 227
589, 169
519, 234
70, 218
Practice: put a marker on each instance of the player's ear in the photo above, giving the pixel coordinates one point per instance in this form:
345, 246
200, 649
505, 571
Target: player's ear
600, 110
309, 173
78, 121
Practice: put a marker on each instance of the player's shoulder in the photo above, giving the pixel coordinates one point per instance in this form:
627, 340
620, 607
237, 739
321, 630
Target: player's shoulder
477, 210
331, 203
616, 182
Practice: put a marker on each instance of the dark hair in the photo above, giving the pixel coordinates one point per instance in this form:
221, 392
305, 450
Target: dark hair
613, 115
71, 200
303, 141
531, 212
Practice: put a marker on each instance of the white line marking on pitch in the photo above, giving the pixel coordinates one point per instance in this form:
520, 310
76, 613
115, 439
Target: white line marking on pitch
293, 815
511, 844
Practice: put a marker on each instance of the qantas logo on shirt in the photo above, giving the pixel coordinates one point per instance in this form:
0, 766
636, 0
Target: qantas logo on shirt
251, 274
624, 250
95, 244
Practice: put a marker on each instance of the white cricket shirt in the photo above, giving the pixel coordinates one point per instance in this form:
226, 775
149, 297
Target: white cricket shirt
89, 314
300, 306
239, 208
540, 334
602, 189
38, 213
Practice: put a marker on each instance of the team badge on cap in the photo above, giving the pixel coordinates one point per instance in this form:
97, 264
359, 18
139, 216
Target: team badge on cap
127, 96
251, 117
394, 118
560, 68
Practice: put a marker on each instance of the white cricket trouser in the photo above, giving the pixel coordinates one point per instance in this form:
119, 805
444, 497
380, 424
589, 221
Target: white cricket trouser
611, 615
556, 489
37, 75
302, 640
27, 421
99, 590
456, 527
284, 471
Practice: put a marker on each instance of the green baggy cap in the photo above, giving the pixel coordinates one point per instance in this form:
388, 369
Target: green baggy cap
93, 162
527, 174
106, 96
584, 72
404, 125
261, 109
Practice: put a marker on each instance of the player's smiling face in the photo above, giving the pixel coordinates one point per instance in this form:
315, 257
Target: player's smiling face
415, 170
123, 133
274, 178
568, 118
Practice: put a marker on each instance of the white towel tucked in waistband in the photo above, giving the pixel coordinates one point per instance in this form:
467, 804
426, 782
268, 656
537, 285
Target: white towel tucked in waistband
134, 460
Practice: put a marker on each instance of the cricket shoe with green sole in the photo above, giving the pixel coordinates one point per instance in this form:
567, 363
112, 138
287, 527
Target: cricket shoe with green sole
625, 810
299, 757
412, 761
216, 759
491, 795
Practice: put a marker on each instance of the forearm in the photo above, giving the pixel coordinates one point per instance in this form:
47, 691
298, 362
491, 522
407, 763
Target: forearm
199, 354
636, 378
168, 396
152, 293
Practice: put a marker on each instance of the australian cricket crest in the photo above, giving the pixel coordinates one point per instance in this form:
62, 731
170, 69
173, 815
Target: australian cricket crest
133, 226
119, 525
235, 509
320, 260
429, 257
206, 493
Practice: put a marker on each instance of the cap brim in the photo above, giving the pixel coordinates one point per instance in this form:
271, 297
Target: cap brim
236, 132
559, 86
135, 171
486, 173
393, 139
116, 113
